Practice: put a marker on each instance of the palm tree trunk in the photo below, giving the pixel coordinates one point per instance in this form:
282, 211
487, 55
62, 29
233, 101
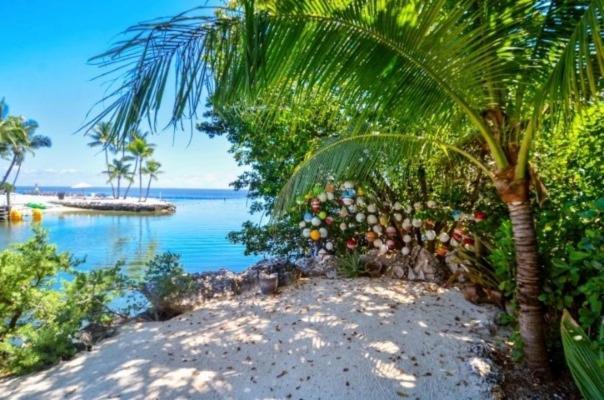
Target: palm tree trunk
149, 188
107, 166
515, 193
119, 179
10, 168
140, 182
423, 185
528, 281
131, 179
17, 174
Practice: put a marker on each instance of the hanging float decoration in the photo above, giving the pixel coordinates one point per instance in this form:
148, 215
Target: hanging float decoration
346, 217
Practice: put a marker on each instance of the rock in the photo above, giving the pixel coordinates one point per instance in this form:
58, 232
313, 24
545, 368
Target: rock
317, 266
216, 283
399, 272
331, 274
485, 368
117, 205
428, 267
286, 271
227, 283
373, 264
268, 282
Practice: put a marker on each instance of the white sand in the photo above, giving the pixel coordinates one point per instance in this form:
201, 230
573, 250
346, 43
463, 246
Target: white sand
341, 339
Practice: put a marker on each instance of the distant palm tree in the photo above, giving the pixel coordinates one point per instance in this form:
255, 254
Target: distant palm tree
119, 169
101, 136
140, 150
152, 169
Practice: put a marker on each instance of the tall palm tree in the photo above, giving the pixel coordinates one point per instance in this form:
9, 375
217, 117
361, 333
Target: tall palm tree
152, 168
101, 136
444, 71
140, 149
13, 133
27, 141
36, 142
119, 169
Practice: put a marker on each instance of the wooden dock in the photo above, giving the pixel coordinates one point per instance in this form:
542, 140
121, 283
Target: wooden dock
4, 213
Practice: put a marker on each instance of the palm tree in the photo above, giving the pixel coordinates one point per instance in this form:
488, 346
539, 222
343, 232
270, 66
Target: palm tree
153, 169
27, 141
101, 136
36, 142
13, 133
119, 169
140, 150
500, 72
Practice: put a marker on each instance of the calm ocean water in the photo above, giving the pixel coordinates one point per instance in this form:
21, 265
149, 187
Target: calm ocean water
197, 231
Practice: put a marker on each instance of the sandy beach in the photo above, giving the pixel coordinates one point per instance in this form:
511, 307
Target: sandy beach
319, 339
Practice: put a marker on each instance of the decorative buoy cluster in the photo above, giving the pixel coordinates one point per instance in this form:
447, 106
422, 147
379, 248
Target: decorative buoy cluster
336, 218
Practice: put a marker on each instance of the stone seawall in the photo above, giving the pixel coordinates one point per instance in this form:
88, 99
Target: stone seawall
116, 205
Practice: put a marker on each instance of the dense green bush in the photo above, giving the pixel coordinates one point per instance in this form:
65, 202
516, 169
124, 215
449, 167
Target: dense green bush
575, 279
166, 286
44, 303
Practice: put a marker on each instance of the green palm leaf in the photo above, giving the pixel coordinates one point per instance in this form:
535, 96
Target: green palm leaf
357, 158
582, 359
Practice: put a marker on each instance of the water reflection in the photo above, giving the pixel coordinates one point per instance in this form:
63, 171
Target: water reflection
197, 231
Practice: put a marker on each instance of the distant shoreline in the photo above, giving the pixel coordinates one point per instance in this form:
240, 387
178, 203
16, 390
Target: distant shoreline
50, 203
168, 194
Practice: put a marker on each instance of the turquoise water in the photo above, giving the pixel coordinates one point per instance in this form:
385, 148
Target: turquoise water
197, 231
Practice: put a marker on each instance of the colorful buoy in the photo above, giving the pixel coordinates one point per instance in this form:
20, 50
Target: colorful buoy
15, 216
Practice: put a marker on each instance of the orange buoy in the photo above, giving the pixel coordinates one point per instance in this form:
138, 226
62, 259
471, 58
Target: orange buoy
36, 215
15, 216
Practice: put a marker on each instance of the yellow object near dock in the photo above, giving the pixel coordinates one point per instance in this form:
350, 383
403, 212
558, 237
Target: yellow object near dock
16, 216
36, 215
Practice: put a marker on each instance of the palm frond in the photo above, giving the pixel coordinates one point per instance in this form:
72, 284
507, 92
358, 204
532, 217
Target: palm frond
582, 359
572, 69
404, 60
574, 58
357, 158
183, 48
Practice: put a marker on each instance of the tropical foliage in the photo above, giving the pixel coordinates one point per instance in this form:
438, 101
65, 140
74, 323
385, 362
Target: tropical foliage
45, 302
478, 81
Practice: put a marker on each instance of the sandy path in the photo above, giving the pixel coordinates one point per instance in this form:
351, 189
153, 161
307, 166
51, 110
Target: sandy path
342, 339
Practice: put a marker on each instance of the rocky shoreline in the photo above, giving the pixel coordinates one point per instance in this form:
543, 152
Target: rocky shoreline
418, 266
121, 206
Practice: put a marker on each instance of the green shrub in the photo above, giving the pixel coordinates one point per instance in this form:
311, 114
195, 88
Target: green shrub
503, 259
44, 303
350, 265
575, 279
166, 285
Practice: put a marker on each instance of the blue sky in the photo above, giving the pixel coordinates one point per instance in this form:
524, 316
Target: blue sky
44, 75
